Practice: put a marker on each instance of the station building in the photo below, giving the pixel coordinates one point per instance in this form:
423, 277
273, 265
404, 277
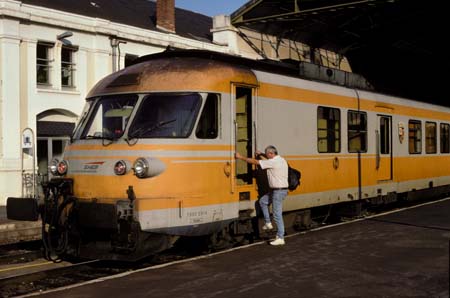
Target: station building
52, 52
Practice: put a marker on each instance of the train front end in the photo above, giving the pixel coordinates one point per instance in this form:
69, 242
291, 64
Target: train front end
149, 162
119, 150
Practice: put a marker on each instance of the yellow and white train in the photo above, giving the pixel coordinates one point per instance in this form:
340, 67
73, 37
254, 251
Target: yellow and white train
152, 158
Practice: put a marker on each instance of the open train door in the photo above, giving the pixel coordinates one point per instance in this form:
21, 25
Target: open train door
243, 138
384, 148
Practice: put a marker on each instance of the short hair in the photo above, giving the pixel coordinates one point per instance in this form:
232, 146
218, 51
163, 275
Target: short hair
272, 149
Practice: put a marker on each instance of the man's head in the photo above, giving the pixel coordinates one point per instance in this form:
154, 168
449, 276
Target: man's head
271, 151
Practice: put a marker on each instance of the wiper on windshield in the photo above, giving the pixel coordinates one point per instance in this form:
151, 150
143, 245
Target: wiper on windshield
94, 137
142, 131
104, 136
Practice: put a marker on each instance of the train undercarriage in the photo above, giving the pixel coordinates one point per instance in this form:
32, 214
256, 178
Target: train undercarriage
91, 230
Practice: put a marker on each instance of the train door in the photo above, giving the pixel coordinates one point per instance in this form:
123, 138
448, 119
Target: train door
244, 132
384, 148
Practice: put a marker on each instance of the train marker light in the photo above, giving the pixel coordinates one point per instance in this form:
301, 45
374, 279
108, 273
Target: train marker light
54, 166
120, 168
140, 167
62, 167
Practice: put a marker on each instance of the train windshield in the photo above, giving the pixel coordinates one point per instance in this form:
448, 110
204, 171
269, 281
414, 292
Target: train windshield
109, 117
167, 115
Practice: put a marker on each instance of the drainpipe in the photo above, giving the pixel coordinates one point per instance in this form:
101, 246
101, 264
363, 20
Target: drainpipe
114, 46
115, 53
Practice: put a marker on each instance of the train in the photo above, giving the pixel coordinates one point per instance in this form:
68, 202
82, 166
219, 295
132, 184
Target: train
152, 158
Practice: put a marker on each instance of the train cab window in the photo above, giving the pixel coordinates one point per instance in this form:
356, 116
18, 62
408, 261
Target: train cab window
445, 137
415, 136
328, 130
166, 115
207, 127
357, 131
430, 137
110, 117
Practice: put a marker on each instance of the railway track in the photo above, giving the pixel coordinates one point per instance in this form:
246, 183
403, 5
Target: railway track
31, 275
39, 275
56, 276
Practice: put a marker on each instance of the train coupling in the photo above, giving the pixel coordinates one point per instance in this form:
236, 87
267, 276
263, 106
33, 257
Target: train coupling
28, 209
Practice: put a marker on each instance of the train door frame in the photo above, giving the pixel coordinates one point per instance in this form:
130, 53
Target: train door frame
384, 159
244, 187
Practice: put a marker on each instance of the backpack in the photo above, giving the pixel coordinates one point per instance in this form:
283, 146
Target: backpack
293, 178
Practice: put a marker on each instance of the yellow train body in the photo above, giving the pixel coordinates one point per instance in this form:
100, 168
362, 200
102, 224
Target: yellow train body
199, 188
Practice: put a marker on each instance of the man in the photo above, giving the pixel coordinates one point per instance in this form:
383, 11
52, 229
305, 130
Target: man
277, 174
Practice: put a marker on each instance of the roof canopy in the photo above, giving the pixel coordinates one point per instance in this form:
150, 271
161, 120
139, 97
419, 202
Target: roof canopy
395, 44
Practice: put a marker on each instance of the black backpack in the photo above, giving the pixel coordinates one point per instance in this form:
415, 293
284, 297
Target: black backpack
293, 178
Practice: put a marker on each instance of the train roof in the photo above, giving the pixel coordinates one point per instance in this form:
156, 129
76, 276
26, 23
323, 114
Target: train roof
197, 70
291, 68
182, 71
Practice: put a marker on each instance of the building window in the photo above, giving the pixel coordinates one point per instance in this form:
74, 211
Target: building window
415, 136
129, 58
357, 131
445, 137
328, 130
67, 67
44, 60
430, 137
207, 127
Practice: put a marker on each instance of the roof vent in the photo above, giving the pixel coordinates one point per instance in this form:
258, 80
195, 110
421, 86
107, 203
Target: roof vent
125, 80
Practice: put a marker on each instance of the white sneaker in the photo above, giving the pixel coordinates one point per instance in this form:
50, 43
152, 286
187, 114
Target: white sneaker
267, 226
277, 241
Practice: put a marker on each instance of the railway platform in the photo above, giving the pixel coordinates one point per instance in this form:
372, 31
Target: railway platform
12, 231
404, 253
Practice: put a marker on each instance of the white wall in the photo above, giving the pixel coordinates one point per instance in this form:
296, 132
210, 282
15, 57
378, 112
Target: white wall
9, 107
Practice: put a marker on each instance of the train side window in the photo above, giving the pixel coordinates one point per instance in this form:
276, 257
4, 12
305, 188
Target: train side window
208, 126
357, 131
445, 137
328, 130
430, 137
415, 136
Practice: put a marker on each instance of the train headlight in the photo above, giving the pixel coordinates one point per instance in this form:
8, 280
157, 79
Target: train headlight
120, 168
141, 168
62, 167
54, 167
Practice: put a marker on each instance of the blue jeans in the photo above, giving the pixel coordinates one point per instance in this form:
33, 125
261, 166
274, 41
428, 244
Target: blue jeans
277, 197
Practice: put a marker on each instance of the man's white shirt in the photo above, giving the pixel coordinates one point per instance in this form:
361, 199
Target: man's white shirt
277, 171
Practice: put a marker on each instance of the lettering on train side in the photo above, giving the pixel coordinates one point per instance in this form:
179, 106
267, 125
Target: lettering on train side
196, 217
197, 213
90, 167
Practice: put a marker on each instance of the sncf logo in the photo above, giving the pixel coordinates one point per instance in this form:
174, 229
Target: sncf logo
93, 165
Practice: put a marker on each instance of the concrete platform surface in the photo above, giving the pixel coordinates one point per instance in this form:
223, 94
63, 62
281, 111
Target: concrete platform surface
12, 231
403, 254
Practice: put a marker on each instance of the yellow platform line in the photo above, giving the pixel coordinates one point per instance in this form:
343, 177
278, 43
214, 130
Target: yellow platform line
23, 267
